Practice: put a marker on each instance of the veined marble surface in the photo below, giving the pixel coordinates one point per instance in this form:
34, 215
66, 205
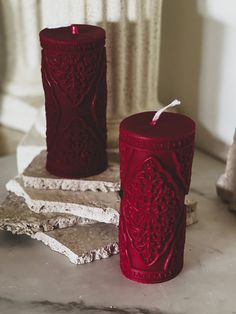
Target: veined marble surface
36, 280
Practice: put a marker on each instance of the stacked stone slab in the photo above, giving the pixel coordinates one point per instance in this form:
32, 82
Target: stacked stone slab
76, 217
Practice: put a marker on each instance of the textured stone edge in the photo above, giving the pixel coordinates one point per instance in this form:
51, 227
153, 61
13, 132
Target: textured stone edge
191, 218
55, 245
107, 215
46, 230
92, 255
110, 215
32, 222
70, 185
36, 176
191, 210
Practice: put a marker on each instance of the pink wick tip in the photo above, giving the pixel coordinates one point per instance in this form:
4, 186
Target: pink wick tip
74, 29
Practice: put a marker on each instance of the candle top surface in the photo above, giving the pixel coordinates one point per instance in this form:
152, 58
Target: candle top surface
170, 126
85, 34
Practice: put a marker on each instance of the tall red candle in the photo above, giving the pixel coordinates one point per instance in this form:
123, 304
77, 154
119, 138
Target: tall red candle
155, 168
74, 81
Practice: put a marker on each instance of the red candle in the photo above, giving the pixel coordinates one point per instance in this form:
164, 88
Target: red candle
155, 168
74, 81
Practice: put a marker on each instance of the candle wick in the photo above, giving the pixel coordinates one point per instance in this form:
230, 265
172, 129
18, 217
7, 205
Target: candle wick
159, 112
74, 29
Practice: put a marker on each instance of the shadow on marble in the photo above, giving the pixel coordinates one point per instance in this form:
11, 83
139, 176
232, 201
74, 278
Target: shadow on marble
9, 240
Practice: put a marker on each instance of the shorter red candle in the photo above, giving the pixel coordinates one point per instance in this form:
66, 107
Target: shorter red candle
155, 169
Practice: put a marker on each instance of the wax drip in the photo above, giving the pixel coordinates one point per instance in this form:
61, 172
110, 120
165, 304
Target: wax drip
159, 112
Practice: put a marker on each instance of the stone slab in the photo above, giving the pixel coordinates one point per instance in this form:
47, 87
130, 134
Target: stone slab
15, 216
81, 240
36, 176
191, 210
99, 206
83, 244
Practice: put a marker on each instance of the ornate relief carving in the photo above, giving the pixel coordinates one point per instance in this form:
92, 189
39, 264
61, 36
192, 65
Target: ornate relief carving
73, 74
183, 161
75, 92
151, 210
155, 146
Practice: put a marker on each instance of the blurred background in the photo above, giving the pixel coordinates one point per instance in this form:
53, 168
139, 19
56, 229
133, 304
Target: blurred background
157, 51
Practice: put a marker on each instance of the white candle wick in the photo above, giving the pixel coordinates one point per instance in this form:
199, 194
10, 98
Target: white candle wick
159, 112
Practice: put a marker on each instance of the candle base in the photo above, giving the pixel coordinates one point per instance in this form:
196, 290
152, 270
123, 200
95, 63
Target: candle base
147, 277
72, 173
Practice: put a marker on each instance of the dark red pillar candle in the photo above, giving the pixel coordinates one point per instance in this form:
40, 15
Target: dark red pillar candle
155, 168
74, 81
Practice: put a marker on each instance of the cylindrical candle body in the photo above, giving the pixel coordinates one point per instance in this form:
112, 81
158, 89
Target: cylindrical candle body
155, 168
74, 81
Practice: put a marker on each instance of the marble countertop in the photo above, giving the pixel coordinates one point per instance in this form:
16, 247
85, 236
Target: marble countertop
36, 280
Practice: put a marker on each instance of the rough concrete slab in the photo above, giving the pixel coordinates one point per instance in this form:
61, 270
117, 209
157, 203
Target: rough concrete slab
36, 176
83, 244
81, 240
191, 210
15, 216
99, 206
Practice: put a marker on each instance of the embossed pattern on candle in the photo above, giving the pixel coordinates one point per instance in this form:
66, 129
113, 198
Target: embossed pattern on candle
74, 80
